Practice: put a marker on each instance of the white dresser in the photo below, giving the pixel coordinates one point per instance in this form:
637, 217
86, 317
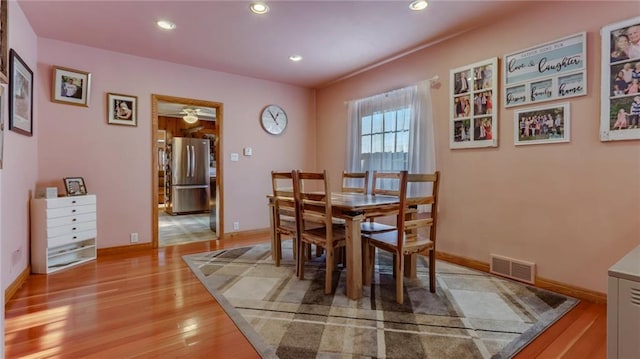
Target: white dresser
623, 308
63, 232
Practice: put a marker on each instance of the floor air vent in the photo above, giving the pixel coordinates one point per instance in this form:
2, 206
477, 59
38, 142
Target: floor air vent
513, 268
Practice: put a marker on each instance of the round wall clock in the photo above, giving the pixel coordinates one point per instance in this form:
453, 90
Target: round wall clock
273, 119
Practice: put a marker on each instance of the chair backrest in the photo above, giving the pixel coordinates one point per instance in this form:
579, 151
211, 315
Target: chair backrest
386, 183
313, 200
282, 184
355, 182
411, 224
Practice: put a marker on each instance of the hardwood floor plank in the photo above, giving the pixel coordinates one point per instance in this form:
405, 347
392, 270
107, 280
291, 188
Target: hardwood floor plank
148, 304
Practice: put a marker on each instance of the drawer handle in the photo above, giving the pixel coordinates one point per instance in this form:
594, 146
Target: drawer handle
74, 219
74, 237
73, 202
74, 228
73, 211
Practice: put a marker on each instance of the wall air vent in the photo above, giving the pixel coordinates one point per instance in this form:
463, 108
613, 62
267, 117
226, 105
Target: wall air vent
513, 268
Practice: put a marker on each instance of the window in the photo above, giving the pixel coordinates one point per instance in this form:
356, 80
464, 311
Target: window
385, 140
392, 132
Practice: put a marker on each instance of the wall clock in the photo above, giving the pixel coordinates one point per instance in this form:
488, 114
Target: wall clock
273, 119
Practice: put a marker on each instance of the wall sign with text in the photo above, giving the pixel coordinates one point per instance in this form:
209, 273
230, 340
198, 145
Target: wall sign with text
551, 71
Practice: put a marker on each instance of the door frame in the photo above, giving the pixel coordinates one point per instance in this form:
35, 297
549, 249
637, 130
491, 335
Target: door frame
155, 98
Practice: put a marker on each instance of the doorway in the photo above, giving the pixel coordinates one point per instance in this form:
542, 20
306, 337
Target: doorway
169, 116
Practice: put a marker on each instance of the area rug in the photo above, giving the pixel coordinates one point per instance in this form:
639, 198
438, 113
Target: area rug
471, 315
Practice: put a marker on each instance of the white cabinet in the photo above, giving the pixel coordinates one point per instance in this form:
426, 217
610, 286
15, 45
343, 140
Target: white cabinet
63, 232
623, 307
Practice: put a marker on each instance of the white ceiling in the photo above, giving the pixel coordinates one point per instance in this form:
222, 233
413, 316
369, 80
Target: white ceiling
335, 38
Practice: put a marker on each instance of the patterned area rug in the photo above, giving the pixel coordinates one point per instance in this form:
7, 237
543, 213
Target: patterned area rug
471, 315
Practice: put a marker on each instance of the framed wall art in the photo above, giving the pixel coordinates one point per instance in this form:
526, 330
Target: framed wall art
75, 186
473, 92
620, 93
122, 109
70, 86
20, 95
544, 124
551, 71
4, 64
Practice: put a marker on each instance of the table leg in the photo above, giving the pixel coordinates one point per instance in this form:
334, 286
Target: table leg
354, 258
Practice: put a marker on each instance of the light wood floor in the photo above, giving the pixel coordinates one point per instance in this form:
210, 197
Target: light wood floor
148, 304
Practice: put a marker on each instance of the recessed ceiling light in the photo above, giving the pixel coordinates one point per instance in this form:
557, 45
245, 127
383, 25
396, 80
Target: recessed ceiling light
418, 5
167, 25
295, 58
259, 8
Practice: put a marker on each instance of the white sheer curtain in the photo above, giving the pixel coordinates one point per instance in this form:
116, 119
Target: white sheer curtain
421, 143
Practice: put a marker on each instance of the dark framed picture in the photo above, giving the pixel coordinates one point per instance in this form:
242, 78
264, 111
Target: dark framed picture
20, 95
544, 124
4, 65
75, 186
71, 86
620, 93
122, 109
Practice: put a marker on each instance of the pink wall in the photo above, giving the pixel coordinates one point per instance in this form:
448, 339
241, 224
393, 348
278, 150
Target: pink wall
573, 209
19, 169
115, 161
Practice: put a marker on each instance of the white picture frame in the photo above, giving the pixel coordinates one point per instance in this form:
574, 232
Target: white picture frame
473, 115
617, 99
542, 124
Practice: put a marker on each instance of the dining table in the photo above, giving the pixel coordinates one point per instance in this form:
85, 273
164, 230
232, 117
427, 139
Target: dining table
354, 208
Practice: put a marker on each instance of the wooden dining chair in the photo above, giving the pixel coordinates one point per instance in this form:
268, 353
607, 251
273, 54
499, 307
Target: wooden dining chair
355, 182
284, 213
410, 237
313, 202
383, 183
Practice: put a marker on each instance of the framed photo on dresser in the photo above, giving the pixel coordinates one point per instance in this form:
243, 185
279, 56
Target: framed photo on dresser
75, 186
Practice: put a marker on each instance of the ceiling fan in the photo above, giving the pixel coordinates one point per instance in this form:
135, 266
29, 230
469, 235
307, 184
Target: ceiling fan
191, 115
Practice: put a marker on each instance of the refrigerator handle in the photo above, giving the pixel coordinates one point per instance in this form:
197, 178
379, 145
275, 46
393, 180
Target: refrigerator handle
188, 161
193, 161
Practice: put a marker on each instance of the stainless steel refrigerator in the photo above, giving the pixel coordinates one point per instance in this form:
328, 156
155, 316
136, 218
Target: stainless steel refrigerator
189, 168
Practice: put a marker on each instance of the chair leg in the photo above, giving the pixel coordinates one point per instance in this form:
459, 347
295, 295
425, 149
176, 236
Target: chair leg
432, 270
301, 260
277, 249
399, 269
328, 280
369, 254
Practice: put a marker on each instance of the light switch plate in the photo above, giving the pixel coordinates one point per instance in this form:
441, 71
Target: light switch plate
235, 156
248, 151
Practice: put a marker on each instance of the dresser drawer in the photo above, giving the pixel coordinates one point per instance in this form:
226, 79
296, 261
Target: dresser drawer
80, 218
71, 238
70, 229
70, 201
70, 211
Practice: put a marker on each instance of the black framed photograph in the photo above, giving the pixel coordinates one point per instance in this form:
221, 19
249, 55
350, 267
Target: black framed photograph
122, 109
20, 95
540, 125
4, 66
620, 92
75, 186
70, 86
